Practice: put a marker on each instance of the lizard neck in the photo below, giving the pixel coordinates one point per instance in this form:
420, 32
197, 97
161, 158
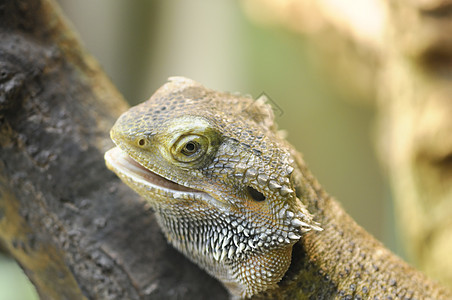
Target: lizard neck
345, 261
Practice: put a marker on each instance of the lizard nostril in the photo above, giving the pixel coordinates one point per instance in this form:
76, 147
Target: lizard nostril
255, 194
141, 142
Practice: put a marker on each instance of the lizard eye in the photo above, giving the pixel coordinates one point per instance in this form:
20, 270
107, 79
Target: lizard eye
189, 148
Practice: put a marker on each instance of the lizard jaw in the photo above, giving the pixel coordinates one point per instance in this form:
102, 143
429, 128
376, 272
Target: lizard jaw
121, 163
151, 185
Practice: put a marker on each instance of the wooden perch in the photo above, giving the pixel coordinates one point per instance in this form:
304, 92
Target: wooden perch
74, 228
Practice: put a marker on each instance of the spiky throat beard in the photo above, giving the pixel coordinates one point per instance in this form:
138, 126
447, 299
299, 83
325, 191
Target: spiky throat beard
247, 258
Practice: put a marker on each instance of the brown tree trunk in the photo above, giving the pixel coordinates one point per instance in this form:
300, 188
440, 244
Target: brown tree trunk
74, 228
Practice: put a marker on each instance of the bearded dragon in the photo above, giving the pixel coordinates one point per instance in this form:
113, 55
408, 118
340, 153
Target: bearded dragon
236, 198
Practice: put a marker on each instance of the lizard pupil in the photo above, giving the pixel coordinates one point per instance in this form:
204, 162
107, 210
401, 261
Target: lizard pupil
255, 194
190, 148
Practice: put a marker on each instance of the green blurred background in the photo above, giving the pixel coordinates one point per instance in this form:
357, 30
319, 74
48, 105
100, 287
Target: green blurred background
141, 43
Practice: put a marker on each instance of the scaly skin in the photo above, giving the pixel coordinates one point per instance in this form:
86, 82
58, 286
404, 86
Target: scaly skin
232, 195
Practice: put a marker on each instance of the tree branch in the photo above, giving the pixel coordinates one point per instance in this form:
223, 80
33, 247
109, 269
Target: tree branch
75, 229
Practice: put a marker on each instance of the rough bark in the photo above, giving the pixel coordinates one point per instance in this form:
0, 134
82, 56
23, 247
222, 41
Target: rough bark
74, 228
399, 53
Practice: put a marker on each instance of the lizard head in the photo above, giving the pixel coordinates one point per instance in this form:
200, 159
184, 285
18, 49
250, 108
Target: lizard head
220, 179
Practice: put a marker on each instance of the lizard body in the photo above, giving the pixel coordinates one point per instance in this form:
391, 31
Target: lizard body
232, 195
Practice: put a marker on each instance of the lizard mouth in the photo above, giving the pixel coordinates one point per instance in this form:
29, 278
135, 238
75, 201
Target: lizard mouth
123, 165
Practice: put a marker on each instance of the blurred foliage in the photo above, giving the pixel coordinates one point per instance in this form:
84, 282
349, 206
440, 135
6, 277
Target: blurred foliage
141, 43
13, 282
